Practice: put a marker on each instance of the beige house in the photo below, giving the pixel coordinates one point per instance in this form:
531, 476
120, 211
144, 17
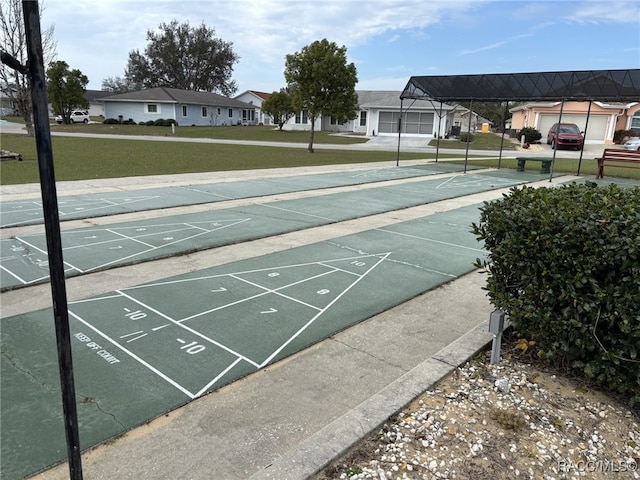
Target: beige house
604, 118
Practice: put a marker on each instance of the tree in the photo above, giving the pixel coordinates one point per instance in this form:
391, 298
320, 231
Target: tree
66, 89
279, 106
182, 57
14, 42
322, 82
117, 85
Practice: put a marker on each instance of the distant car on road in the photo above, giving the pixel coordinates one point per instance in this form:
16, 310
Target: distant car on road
565, 135
632, 144
77, 116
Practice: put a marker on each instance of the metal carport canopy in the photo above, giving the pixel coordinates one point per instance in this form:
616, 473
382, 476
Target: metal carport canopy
588, 85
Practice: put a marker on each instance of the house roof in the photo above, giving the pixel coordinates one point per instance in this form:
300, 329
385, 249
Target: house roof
176, 95
391, 99
602, 85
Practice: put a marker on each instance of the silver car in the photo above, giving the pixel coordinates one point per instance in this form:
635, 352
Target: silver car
632, 144
77, 116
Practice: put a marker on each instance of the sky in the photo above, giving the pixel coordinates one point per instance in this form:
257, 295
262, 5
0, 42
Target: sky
388, 40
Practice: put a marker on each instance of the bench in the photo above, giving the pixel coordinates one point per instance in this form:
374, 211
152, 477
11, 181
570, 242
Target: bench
544, 168
617, 157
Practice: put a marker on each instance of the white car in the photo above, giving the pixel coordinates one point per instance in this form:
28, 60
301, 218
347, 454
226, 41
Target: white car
77, 116
632, 144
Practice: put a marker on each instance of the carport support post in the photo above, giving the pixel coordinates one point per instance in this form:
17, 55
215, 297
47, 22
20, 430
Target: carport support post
504, 118
52, 229
586, 126
466, 152
555, 146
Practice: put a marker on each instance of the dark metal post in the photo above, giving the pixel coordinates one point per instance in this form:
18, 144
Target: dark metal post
399, 132
555, 145
466, 152
439, 126
504, 121
584, 142
52, 229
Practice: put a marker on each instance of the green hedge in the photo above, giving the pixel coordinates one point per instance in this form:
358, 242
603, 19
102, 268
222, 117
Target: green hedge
564, 265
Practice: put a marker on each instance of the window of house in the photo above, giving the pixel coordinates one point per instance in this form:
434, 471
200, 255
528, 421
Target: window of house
153, 108
218, 110
185, 111
635, 122
363, 119
334, 121
231, 113
302, 117
205, 112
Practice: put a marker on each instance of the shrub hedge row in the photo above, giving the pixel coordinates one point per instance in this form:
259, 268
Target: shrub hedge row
564, 264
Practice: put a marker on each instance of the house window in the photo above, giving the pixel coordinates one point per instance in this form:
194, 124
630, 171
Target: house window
218, 110
153, 108
205, 112
334, 121
302, 117
231, 113
363, 119
184, 110
635, 123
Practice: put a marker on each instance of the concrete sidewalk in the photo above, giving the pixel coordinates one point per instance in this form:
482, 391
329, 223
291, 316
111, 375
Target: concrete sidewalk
292, 418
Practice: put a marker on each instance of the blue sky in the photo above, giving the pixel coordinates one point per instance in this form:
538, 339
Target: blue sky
388, 40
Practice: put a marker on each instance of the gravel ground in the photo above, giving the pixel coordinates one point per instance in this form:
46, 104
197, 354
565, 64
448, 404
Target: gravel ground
505, 421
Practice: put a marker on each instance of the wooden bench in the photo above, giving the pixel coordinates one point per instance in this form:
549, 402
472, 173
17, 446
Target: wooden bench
617, 157
544, 168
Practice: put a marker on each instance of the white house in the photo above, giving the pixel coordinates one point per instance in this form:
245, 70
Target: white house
379, 112
256, 116
184, 106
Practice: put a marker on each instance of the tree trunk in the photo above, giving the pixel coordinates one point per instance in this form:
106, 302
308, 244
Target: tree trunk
313, 122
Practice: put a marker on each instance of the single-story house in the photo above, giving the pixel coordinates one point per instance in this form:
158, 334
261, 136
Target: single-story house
378, 114
604, 118
184, 106
96, 105
256, 116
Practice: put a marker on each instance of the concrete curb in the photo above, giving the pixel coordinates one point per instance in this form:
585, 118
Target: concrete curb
337, 438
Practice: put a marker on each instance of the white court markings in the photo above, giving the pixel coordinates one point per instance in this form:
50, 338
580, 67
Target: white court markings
24, 260
192, 341
29, 211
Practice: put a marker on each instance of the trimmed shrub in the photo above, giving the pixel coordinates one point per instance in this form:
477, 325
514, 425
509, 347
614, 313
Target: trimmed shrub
531, 135
466, 137
564, 264
111, 121
159, 122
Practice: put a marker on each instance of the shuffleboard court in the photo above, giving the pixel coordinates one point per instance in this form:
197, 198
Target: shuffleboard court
73, 207
142, 351
86, 250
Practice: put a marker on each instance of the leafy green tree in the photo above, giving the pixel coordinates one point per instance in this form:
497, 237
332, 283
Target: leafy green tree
66, 89
180, 56
322, 83
279, 106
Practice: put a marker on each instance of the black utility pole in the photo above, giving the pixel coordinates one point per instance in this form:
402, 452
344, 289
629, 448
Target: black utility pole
52, 230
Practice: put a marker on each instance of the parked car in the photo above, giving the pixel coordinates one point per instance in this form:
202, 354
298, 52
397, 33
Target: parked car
77, 116
632, 144
565, 135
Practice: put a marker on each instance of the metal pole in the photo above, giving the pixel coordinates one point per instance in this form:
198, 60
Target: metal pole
399, 131
555, 146
52, 229
466, 153
586, 126
504, 118
439, 126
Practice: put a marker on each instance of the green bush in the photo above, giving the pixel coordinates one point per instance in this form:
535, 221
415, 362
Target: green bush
531, 135
466, 137
111, 121
564, 264
159, 122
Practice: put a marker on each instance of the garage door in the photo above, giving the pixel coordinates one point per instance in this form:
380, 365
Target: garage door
597, 125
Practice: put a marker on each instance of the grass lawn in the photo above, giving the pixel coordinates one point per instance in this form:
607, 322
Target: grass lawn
84, 158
